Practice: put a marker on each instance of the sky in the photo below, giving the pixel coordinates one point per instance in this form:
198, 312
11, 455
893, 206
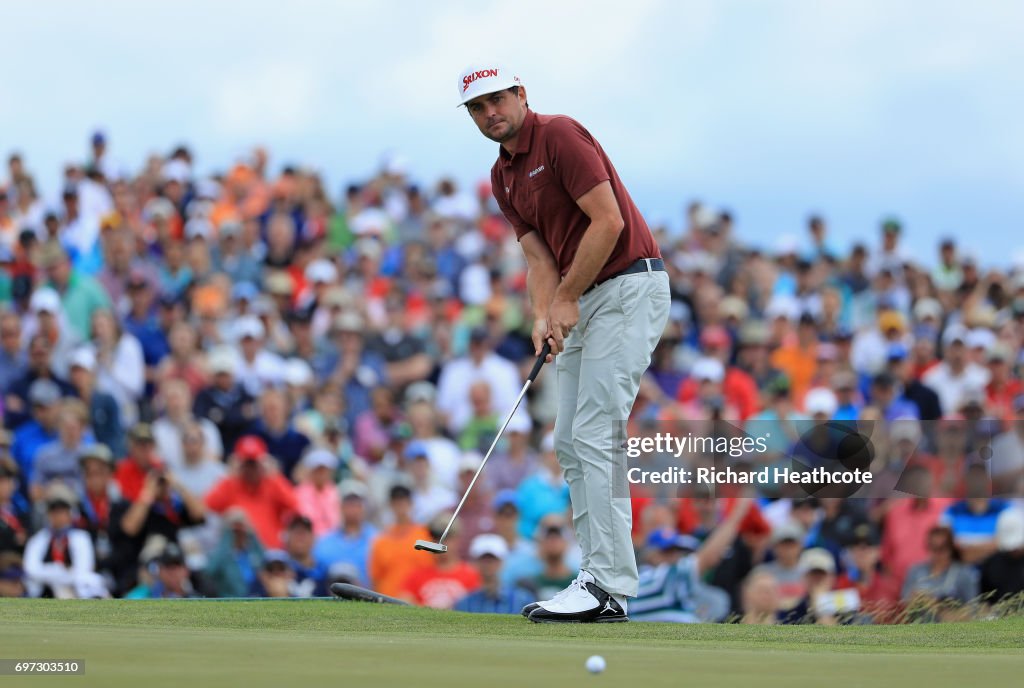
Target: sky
772, 109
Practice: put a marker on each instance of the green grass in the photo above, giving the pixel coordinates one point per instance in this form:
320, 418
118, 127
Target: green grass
319, 642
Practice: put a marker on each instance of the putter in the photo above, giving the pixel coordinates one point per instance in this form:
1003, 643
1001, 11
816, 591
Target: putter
347, 591
439, 546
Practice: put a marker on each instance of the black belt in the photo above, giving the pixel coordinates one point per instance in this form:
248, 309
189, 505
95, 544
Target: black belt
641, 265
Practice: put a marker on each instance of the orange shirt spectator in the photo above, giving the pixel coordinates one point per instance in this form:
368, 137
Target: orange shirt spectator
392, 554
266, 497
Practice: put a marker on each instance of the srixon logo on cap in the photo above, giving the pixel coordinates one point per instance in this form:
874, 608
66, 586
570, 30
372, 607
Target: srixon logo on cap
482, 74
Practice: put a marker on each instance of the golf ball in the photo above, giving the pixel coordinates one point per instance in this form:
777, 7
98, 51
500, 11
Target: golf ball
595, 664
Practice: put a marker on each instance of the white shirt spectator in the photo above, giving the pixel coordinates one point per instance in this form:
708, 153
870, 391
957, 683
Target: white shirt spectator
168, 438
953, 389
265, 369
79, 580
459, 375
123, 376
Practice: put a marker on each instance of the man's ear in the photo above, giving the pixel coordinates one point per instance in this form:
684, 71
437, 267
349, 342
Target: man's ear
522, 96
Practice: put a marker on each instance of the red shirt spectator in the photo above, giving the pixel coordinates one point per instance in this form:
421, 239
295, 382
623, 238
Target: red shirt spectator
132, 471
266, 497
738, 387
905, 532
440, 585
690, 517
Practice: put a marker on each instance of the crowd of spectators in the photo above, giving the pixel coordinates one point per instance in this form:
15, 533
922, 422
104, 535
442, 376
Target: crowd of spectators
237, 385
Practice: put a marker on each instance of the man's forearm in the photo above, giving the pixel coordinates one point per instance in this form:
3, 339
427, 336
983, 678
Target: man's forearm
591, 256
541, 283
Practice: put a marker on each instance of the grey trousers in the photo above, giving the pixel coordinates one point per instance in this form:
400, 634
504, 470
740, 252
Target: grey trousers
598, 373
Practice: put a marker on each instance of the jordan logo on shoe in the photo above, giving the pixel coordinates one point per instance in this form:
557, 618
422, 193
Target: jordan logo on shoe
608, 606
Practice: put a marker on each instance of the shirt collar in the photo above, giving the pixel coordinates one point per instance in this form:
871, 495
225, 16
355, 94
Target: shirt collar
523, 142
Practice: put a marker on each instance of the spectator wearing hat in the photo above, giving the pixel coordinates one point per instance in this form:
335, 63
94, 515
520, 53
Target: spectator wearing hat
120, 364
973, 519
391, 557
940, 587
172, 579
310, 574
12, 575
224, 402
786, 545
12, 356
709, 400
98, 499
423, 417
444, 578
886, 396
1002, 574
900, 367
430, 497
863, 571
542, 492
142, 322
18, 407
200, 468
349, 542
58, 460
316, 491
1003, 387
140, 461
738, 387
284, 442
488, 553
80, 294
553, 551
870, 346
255, 486
351, 366
906, 520
955, 376
44, 397
103, 412
480, 364
276, 576
234, 565
59, 559
15, 512
258, 368
522, 562
818, 570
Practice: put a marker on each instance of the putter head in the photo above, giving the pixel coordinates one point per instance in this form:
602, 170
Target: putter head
432, 547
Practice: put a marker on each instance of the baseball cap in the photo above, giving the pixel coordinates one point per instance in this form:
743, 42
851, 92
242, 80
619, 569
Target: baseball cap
708, 369
297, 372
488, 543
98, 451
44, 393
1010, 529
505, 498
60, 495
50, 253
222, 360
83, 358
821, 400
321, 270
470, 462
198, 228
279, 284
790, 530
955, 333
172, 555
666, 538
481, 78
249, 327
300, 521
320, 458
141, 432
349, 321
817, 559
250, 448
891, 320
927, 308
351, 488
45, 300
244, 291
864, 534
714, 335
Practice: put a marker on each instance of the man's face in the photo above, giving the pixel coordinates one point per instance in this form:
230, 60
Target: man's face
787, 552
10, 335
499, 116
489, 566
300, 541
173, 575
59, 517
95, 475
59, 271
352, 510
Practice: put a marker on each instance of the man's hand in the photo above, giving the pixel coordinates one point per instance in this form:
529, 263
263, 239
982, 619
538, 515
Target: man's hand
541, 333
562, 317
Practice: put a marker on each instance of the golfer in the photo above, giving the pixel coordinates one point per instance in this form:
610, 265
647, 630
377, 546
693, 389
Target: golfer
600, 297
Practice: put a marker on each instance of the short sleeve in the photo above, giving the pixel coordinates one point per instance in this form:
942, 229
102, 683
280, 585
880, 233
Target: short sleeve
575, 157
521, 226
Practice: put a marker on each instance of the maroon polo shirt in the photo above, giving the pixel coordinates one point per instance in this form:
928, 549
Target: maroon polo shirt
555, 162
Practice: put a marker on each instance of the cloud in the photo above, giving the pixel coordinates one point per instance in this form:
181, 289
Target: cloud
275, 99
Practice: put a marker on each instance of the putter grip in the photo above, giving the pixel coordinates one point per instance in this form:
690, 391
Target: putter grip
540, 362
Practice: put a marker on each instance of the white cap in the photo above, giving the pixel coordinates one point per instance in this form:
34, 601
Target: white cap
547, 443
905, 429
223, 359
488, 543
1010, 529
321, 270
45, 300
980, 338
320, 458
198, 228
928, 308
781, 306
470, 461
249, 326
519, 422
485, 77
821, 400
953, 333
297, 372
83, 358
707, 369
817, 558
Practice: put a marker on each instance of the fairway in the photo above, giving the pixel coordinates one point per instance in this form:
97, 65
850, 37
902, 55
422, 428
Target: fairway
314, 642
